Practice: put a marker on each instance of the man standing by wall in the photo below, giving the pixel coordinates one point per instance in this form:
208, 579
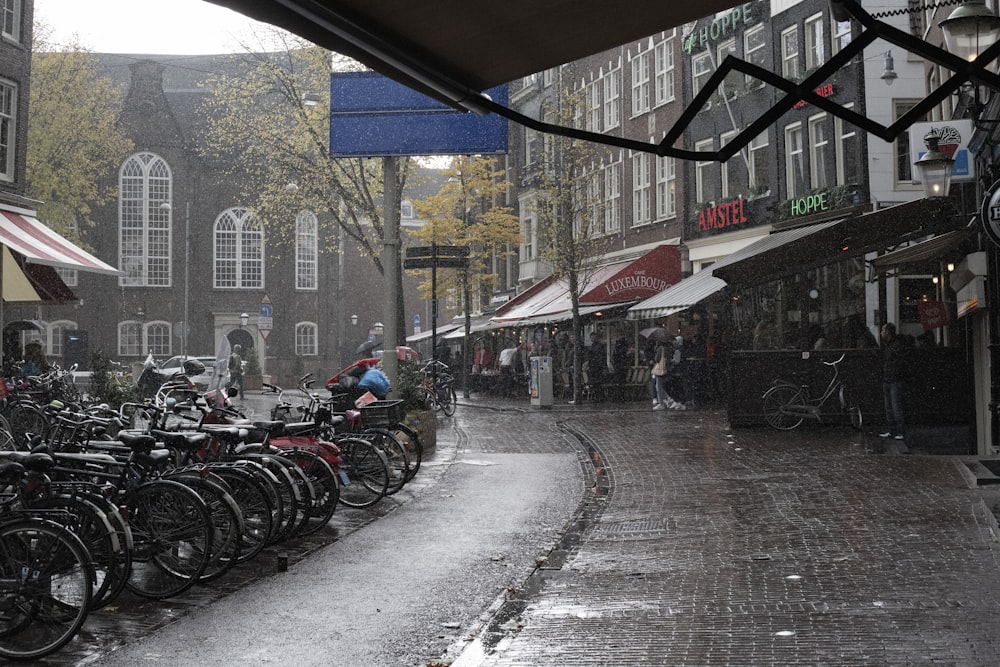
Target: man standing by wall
893, 368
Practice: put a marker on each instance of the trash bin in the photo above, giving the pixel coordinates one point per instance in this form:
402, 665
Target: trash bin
540, 382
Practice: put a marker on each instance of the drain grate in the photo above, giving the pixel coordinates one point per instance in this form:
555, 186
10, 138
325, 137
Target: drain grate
638, 529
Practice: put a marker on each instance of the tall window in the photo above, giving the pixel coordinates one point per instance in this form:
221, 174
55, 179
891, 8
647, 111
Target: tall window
69, 276
663, 72
144, 221
841, 35
12, 20
306, 340
612, 89
847, 150
595, 202
755, 51
757, 154
703, 186
8, 129
139, 339
819, 151
666, 187
795, 166
56, 330
904, 168
239, 250
730, 169
529, 228
790, 68
129, 338
701, 69
613, 197
532, 146
306, 254
730, 85
640, 82
815, 42
593, 95
642, 189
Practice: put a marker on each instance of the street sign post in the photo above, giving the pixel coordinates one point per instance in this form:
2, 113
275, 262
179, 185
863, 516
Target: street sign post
436, 257
265, 317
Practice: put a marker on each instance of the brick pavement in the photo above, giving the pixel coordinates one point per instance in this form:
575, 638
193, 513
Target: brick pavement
701, 545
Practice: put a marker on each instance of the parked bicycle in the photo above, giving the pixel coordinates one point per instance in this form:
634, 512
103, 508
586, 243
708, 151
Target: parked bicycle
436, 387
787, 404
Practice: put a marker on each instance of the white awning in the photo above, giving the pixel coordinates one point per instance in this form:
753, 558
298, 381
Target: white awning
40, 245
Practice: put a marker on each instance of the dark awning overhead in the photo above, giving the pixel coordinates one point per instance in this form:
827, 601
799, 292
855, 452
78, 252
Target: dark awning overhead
929, 251
467, 47
851, 237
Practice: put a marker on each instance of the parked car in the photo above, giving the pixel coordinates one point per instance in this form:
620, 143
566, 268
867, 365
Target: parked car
202, 381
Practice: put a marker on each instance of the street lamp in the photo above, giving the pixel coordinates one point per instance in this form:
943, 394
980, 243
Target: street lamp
970, 29
934, 168
354, 320
165, 206
244, 318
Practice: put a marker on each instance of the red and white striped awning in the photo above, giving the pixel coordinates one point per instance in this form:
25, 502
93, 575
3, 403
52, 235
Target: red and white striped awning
40, 245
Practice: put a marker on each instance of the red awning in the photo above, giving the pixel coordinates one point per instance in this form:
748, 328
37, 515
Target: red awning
40, 245
652, 273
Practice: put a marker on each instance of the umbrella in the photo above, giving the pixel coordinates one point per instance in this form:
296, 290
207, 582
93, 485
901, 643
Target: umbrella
404, 353
656, 333
366, 346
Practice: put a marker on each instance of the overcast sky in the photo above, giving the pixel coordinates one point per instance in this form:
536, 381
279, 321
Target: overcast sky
145, 26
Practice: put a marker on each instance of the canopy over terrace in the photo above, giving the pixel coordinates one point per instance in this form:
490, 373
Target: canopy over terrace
605, 287
30, 256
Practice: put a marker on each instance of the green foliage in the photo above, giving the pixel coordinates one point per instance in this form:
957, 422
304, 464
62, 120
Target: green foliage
108, 384
408, 380
253, 366
73, 134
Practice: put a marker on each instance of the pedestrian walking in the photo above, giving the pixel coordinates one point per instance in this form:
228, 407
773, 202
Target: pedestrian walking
893, 370
663, 359
236, 368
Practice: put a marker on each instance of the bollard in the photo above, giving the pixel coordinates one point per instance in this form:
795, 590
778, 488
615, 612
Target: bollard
282, 562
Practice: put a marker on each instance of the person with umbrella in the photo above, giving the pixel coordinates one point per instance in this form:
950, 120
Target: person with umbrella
659, 357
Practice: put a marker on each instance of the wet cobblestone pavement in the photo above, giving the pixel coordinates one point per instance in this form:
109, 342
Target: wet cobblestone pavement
699, 545
709, 546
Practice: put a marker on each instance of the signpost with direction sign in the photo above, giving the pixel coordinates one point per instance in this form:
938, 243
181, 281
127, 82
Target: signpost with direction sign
265, 317
436, 257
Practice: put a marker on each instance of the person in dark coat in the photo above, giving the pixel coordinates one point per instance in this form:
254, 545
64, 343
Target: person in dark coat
894, 361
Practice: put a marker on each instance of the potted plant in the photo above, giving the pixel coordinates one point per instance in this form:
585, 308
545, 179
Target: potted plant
252, 375
419, 416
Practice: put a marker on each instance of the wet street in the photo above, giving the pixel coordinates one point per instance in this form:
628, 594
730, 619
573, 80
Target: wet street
613, 535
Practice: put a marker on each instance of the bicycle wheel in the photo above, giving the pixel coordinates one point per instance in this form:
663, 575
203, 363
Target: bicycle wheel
853, 410
326, 490
7, 441
26, 418
364, 473
172, 532
45, 588
448, 400
411, 440
777, 398
430, 399
254, 502
92, 526
395, 454
227, 519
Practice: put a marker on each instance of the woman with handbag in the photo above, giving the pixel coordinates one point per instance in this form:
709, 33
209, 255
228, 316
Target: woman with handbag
661, 367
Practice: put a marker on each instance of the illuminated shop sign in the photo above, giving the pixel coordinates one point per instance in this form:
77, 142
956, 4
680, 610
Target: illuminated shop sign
724, 26
812, 204
728, 214
826, 90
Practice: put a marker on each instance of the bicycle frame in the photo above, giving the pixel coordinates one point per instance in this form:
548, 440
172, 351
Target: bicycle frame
803, 404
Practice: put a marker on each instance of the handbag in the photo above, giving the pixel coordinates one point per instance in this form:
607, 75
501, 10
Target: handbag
660, 367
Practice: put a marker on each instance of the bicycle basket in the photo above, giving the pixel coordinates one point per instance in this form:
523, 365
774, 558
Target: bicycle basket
380, 414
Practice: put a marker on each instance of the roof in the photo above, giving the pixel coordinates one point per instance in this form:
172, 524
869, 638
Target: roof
453, 49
